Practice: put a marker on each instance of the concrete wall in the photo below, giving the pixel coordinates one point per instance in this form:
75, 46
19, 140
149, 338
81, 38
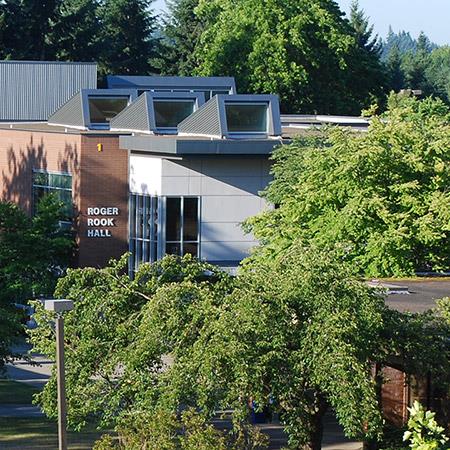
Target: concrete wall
228, 188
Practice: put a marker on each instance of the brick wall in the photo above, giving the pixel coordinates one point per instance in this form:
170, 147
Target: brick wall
23, 151
104, 183
99, 179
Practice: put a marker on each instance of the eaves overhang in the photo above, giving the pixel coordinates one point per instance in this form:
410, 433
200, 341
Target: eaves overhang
197, 147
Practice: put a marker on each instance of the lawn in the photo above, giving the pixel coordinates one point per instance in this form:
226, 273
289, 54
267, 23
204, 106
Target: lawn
13, 392
34, 433
40, 434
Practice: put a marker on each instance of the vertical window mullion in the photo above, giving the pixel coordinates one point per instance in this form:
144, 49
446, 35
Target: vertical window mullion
181, 225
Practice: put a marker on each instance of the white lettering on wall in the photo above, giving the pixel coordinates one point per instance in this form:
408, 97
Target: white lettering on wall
101, 221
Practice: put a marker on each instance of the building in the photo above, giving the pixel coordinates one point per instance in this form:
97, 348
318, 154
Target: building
153, 165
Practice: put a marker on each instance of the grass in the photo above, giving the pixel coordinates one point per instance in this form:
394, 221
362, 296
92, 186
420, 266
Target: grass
35, 433
41, 434
13, 392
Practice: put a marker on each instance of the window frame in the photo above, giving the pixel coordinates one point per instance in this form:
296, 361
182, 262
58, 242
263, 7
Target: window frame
101, 125
48, 189
171, 130
107, 93
197, 97
135, 238
247, 134
182, 241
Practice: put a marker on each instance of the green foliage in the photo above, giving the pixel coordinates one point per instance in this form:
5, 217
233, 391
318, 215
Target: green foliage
116, 33
126, 34
380, 197
304, 51
423, 431
182, 30
33, 253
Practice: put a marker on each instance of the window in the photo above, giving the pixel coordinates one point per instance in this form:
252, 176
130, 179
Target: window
180, 228
58, 184
182, 225
143, 229
169, 113
103, 109
246, 117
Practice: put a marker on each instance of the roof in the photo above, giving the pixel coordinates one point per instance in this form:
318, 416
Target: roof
140, 116
75, 112
44, 127
415, 295
161, 82
197, 145
211, 119
33, 90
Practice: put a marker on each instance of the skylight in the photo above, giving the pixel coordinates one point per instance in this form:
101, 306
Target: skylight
246, 117
170, 112
102, 108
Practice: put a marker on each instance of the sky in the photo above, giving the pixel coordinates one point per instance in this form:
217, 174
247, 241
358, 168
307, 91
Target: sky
429, 16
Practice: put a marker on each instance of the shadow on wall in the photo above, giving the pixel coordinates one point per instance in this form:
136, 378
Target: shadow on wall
17, 176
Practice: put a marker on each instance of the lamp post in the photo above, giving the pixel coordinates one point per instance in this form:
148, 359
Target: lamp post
59, 306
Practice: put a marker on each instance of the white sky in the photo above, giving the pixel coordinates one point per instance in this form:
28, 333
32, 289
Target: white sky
430, 16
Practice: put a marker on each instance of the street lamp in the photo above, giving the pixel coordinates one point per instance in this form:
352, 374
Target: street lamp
59, 306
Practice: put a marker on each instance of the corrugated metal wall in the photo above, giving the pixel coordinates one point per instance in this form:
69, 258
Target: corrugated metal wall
34, 90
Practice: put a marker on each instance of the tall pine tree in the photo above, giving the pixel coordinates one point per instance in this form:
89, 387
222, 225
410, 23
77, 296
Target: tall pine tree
75, 32
182, 30
127, 35
25, 27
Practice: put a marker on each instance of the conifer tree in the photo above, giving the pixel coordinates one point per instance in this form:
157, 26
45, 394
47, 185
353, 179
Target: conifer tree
128, 44
182, 30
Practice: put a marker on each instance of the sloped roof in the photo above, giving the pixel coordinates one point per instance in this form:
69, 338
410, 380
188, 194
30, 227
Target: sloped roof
140, 115
75, 112
210, 119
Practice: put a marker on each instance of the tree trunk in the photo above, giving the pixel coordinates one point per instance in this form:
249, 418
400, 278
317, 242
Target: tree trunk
315, 441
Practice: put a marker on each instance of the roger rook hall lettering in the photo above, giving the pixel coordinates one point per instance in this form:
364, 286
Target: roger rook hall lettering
100, 222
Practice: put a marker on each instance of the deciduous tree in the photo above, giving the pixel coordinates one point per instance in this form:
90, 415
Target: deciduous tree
381, 196
33, 253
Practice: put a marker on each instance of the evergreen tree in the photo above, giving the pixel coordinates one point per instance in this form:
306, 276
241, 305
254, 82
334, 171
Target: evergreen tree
394, 67
182, 30
363, 30
128, 44
415, 66
25, 27
75, 34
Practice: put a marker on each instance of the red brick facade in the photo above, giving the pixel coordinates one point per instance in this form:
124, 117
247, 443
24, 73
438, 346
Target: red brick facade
99, 179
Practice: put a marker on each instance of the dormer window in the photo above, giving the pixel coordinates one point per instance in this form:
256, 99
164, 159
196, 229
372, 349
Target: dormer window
243, 118
170, 112
102, 109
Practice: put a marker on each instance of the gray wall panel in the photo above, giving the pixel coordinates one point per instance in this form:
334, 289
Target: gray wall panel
31, 91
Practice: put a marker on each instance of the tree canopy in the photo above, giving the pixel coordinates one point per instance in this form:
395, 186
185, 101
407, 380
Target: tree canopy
305, 51
118, 34
381, 196
33, 253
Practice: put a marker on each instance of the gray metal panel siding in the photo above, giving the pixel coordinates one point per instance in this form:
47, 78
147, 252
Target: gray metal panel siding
70, 114
34, 90
134, 117
161, 82
204, 121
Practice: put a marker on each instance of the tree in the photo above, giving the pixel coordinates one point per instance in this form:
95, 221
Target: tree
394, 67
438, 72
363, 30
126, 35
182, 30
75, 31
380, 196
26, 25
305, 51
33, 252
